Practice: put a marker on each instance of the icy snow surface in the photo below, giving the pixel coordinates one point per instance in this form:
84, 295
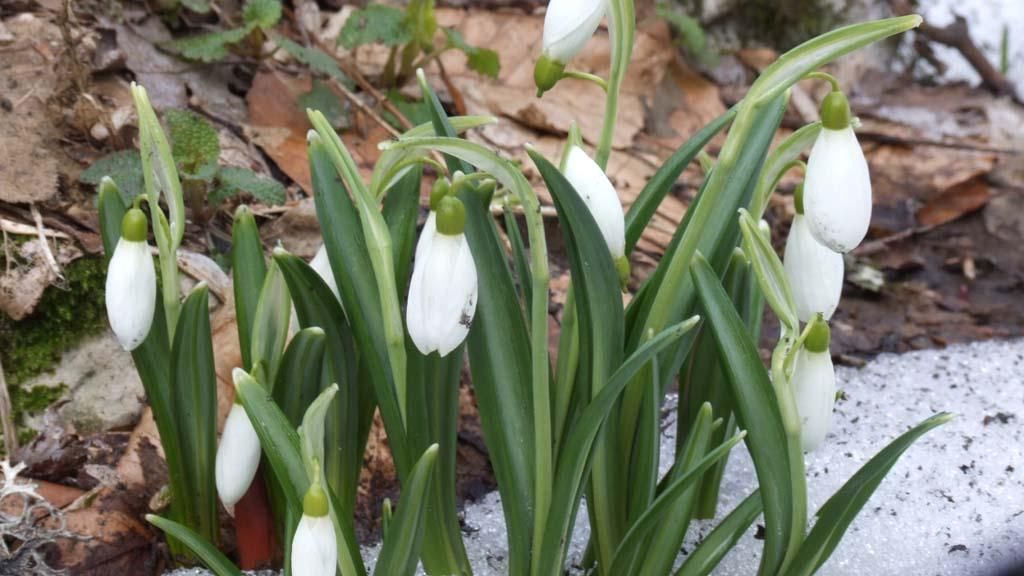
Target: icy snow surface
953, 505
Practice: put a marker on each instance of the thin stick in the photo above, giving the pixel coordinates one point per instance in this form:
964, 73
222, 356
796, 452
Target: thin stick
7, 417
50, 259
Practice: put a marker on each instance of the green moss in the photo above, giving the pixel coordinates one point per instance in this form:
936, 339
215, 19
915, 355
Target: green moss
63, 317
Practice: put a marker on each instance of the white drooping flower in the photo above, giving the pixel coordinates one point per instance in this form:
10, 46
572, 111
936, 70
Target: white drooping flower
322, 265
131, 283
815, 273
597, 192
314, 547
814, 387
238, 457
443, 290
568, 24
837, 187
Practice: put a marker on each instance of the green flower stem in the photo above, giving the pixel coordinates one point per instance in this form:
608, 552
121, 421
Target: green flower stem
817, 75
794, 451
622, 24
588, 77
780, 161
378, 244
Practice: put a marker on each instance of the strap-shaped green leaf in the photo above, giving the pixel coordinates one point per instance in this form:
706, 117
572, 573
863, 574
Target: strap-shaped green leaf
769, 271
660, 184
271, 324
723, 538
519, 258
644, 525
401, 550
757, 407
194, 396
248, 268
111, 212
217, 562
401, 209
298, 380
835, 516
600, 318
780, 160
572, 465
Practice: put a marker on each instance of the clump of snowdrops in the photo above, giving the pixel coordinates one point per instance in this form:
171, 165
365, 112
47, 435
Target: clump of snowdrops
385, 317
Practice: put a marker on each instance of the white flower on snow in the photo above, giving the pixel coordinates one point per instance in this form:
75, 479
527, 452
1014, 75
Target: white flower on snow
814, 387
443, 290
131, 283
815, 273
591, 183
837, 187
314, 547
238, 457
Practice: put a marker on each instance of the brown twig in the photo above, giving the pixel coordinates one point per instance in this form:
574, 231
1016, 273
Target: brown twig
958, 36
457, 100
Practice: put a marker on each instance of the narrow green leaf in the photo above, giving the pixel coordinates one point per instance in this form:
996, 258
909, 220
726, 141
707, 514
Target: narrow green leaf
780, 160
111, 211
158, 169
271, 324
757, 407
248, 269
401, 209
654, 514
836, 515
723, 538
401, 551
572, 466
298, 380
519, 257
194, 397
771, 276
660, 184
439, 120
217, 562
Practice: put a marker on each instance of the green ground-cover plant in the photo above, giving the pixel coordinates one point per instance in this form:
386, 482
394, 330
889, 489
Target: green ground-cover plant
385, 319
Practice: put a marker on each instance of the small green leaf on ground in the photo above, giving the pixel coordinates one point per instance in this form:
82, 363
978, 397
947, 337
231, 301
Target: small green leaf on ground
262, 13
318, 60
197, 6
124, 167
322, 98
481, 60
195, 145
231, 181
417, 112
206, 47
375, 24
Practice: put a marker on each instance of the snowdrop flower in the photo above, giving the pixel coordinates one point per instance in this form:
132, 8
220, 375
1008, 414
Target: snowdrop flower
238, 456
568, 24
814, 386
443, 290
314, 548
131, 283
837, 190
815, 273
322, 265
600, 197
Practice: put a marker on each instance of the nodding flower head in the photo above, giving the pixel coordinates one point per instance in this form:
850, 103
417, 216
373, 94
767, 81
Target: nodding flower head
815, 272
814, 386
314, 547
568, 24
131, 283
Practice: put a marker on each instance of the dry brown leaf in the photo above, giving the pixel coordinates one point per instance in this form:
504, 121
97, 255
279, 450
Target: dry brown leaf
954, 202
278, 124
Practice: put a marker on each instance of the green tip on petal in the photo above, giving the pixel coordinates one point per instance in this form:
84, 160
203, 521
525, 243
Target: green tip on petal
134, 225
623, 268
451, 216
818, 336
835, 111
547, 73
798, 198
315, 503
442, 187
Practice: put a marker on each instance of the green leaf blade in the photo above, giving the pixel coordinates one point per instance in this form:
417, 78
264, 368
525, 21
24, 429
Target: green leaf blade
375, 24
217, 562
401, 550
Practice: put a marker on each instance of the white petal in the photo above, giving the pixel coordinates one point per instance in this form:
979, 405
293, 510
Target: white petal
837, 190
131, 292
814, 386
238, 457
322, 265
442, 293
598, 193
815, 273
568, 24
314, 548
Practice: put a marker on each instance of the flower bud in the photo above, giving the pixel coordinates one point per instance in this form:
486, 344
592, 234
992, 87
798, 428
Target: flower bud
238, 457
837, 189
314, 547
568, 24
131, 283
815, 273
443, 289
597, 192
814, 386
322, 265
